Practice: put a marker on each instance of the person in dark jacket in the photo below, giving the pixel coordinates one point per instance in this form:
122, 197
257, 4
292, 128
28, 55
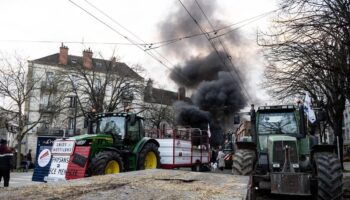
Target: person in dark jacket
28, 159
5, 162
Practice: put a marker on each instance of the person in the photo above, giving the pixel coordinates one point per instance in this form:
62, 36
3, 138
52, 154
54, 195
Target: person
14, 159
221, 159
214, 155
5, 162
28, 159
111, 127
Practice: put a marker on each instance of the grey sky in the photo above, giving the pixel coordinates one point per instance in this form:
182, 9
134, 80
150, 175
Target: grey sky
25, 23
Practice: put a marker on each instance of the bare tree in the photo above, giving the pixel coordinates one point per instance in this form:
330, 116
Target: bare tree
307, 49
156, 114
17, 86
107, 86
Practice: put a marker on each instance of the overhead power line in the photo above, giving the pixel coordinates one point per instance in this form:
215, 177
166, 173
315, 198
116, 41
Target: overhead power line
216, 51
154, 45
127, 38
214, 32
144, 43
71, 42
226, 52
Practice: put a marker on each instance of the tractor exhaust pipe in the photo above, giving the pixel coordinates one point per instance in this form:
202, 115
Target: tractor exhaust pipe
287, 166
253, 124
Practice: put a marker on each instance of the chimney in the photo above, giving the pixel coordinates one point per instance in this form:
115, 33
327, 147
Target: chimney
114, 60
149, 88
87, 58
63, 57
181, 94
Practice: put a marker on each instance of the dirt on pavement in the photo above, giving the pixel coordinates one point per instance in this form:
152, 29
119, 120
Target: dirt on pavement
147, 184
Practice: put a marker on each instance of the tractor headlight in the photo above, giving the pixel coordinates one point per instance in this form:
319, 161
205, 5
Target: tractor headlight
296, 165
276, 165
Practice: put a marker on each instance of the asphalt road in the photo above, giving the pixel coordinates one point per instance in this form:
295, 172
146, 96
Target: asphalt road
18, 179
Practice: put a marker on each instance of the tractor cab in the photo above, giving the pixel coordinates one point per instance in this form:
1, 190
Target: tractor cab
124, 128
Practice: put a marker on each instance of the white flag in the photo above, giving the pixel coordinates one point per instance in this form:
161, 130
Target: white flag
308, 110
209, 133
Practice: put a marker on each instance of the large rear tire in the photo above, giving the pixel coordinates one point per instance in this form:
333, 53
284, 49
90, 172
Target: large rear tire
243, 162
329, 176
106, 162
149, 157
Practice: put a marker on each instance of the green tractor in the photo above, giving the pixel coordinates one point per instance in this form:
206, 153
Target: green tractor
118, 144
282, 158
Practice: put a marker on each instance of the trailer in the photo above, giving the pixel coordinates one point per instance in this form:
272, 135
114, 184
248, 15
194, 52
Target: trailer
183, 147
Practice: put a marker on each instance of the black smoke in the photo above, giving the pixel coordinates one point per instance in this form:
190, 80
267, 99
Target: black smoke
220, 97
191, 115
209, 73
178, 24
197, 69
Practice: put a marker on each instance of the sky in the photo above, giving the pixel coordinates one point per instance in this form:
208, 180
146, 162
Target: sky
36, 28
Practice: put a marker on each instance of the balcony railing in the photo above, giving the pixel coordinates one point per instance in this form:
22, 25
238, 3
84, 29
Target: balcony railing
48, 86
49, 131
48, 108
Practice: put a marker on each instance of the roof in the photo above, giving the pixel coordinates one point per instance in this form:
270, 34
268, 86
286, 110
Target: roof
122, 69
164, 97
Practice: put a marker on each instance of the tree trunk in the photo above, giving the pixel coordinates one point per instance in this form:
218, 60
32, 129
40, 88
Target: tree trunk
19, 150
339, 140
337, 126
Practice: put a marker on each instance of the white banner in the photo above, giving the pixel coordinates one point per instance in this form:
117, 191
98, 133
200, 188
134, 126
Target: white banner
209, 133
308, 110
63, 147
58, 167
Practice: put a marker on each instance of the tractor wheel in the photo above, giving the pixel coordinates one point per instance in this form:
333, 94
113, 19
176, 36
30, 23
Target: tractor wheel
106, 162
149, 157
329, 176
243, 162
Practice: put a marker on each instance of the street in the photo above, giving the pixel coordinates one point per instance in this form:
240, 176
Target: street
18, 179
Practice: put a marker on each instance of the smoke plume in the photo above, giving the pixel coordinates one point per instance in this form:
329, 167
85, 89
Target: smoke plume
209, 73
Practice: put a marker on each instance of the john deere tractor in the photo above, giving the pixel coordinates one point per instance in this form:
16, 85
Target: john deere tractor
282, 158
118, 144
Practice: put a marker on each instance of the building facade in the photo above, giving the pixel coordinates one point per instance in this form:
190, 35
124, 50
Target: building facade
346, 129
57, 104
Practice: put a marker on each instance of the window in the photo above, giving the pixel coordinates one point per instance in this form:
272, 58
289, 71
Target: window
277, 123
98, 64
71, 123
133, 131
46, 121
97, 83
44, 100
111, 125
74, 60
49, 77
74, 80
73, 100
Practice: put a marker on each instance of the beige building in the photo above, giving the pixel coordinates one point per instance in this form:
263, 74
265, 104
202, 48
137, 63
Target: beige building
54, 102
